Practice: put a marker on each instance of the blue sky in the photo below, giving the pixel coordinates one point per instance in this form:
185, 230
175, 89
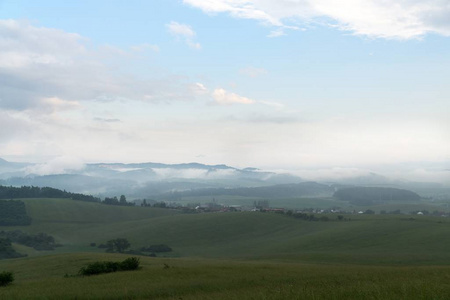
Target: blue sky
298, 85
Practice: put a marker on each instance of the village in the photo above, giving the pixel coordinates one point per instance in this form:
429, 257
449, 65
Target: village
264, 206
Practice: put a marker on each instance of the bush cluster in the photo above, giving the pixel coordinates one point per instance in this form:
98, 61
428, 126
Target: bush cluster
40, 241
6, 278
6, 249
100, 267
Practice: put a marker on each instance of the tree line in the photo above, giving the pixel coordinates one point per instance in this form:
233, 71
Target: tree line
10, 192
40, 241
115, 201
373, 195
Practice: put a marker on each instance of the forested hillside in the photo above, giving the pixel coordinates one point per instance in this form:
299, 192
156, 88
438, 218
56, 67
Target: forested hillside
374, 195
274, 191
13, 213
9, 192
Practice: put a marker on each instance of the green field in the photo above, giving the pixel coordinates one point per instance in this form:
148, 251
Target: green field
318, 203
364, 239
239, 255
290, 203
43, 278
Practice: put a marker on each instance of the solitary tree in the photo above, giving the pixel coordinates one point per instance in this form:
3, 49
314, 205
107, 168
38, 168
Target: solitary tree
123, 200
117, 245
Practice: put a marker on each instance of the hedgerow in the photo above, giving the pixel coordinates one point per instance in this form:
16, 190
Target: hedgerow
101, 267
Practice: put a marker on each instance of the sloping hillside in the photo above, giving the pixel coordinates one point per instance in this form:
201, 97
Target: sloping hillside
253, 235
375, 195
278, 191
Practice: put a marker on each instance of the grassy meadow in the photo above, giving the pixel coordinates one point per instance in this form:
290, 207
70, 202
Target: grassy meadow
360, 239
168, 278
240, 255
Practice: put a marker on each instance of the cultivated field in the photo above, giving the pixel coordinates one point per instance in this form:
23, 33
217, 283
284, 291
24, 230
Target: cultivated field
237, 255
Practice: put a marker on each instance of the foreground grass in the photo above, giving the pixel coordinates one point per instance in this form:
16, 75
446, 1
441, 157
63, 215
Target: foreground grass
43, 278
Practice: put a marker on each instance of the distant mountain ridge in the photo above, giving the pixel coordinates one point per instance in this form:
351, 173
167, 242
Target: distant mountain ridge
149, 179
141, 179
192, 165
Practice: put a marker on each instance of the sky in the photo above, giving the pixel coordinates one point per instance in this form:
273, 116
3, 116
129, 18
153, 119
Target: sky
272, 84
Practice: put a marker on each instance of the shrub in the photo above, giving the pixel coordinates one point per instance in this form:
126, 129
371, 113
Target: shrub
100, 267
6, 278
131, 263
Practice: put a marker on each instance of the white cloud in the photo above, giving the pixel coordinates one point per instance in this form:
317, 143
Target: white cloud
184, 32
166, 173
440, 176
106, 120
57, 104
42, 67
13, 126
329, 174
180, 29
237, 8
276, 33
59, 165
223, 97
199, 89
374, 18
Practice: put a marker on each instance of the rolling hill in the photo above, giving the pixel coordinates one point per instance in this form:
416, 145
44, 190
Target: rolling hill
240, 255
362, 239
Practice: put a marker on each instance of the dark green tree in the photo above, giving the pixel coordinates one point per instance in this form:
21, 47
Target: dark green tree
117, 245
6, 278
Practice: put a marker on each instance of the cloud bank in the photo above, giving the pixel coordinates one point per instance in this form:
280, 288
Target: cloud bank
45, 67
59, 165
405, 19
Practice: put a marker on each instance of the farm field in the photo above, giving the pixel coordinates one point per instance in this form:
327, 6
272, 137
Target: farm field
318, 203
238, 255
358, 239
